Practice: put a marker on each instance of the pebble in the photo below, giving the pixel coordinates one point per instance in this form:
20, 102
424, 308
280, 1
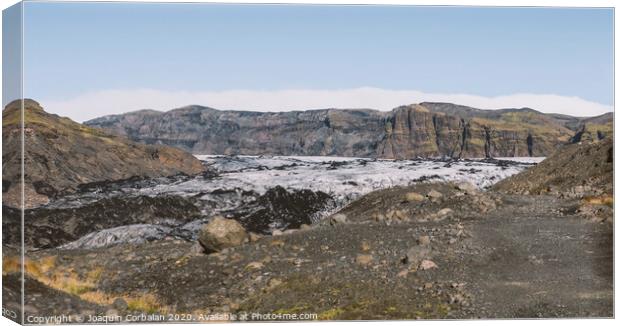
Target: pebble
414, 197
338, 219
467, 187
363, 259
434, 195
254, 237
120, 304
445, 212
403, 273
255, 265
416, 254
111, 313
427, 264
424, 240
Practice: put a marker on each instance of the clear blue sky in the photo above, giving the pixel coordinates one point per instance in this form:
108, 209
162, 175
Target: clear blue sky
73, 48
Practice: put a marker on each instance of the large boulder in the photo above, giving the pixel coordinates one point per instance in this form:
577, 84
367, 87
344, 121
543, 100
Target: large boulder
221, 233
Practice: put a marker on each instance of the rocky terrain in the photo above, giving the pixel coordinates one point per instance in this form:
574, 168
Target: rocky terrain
420, 130
265, 194
570, 172
60, 155
429, 250
119, 231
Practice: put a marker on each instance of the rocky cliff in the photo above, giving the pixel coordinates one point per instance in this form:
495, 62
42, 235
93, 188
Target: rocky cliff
60, 155
426, 129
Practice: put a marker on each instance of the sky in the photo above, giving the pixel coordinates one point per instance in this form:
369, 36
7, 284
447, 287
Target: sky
85, 60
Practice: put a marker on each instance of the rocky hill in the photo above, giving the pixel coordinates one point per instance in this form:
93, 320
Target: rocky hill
576, 170
61, 154
426, 130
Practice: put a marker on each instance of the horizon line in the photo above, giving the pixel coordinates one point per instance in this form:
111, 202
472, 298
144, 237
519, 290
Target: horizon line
91, 105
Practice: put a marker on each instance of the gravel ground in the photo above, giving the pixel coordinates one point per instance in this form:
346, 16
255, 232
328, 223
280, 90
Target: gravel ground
488, 255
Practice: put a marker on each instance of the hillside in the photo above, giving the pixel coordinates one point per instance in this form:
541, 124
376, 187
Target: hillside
61, 154
426, 130
595, 128
576, 170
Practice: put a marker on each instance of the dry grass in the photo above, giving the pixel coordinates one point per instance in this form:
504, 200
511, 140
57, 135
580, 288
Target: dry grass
34, 268
46, 271
600, 200
10, 264
147, 303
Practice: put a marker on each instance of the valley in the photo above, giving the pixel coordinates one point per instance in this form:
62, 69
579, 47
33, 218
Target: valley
426, 223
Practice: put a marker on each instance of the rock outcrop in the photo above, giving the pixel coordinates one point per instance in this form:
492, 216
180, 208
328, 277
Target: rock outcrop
424, 130
279, 208
60, 155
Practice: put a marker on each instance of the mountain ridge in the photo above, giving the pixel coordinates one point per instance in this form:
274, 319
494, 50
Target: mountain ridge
428, 129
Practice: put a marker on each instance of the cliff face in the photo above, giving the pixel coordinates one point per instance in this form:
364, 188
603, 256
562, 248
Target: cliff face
60, 154
425, 130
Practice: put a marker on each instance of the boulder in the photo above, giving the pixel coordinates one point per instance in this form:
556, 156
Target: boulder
444, 212
255, 265
337, 219
467, 187
416, 254
414, 197
398, 214
434, 195
221, 233
427, 264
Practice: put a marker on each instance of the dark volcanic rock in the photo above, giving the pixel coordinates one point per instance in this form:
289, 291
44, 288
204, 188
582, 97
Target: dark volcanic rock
282, 209
424, 130
49, 227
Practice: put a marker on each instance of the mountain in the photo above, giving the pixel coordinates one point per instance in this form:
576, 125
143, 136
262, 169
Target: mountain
425, 129
61, 154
